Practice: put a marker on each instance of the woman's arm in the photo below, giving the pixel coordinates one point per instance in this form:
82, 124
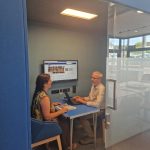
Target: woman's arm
56, 103
45, 107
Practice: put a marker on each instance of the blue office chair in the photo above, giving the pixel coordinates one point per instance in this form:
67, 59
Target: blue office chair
44, 132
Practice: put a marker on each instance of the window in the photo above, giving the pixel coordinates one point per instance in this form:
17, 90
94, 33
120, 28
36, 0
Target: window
112, 55
135, 47
136, 54
124, 44
114, 43
147, 41
136, 42
147, 54
124, 47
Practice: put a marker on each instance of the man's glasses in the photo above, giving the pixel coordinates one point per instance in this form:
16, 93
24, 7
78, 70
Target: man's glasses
94, 78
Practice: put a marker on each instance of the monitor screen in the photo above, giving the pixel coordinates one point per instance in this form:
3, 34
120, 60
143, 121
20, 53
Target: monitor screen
61, 70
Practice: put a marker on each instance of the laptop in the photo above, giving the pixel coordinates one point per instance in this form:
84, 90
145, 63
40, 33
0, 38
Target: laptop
70, 101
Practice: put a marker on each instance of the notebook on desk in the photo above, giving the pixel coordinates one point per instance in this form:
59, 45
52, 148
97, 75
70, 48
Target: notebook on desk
70, 101
58, 107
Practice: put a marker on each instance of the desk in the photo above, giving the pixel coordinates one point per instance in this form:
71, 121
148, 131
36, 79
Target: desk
81, 110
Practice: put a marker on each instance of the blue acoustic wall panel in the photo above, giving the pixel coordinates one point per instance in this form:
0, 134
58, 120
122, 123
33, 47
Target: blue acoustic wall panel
14, 83
139, 4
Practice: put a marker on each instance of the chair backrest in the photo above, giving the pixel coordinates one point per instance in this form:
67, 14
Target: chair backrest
41, 130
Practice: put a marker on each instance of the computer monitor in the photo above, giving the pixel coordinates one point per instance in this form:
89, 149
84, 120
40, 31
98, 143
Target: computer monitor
61, 70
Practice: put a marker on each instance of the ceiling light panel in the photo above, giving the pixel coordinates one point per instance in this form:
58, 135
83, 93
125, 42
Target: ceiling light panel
140, 12
78, 14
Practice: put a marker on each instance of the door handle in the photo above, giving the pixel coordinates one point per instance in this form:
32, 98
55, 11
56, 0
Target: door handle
114, 107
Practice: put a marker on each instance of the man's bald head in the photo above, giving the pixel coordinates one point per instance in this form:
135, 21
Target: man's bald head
96, 77
97, 74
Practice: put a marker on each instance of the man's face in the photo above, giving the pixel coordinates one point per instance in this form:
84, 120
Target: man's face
95, 78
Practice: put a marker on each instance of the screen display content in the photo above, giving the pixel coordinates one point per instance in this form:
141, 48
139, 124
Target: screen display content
61, 70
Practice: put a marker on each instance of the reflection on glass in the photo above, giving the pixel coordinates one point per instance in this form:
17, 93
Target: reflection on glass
113, 43
136, 54
147, 54
124, 47
135, 42
131, 70
112, 55
124, 44
147, 41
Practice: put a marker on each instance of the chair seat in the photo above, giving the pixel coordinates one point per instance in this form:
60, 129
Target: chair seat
44, 132
57, 137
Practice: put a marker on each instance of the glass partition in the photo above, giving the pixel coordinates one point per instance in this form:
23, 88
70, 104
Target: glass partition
128, 76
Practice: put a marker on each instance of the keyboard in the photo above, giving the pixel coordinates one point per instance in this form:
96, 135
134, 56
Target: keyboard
58, 107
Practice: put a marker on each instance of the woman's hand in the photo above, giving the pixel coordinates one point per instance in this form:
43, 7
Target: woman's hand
64, 109
56, 103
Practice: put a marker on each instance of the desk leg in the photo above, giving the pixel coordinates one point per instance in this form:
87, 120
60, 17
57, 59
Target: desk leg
71, 133
95, 127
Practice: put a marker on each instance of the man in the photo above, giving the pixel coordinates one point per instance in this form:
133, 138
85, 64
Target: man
95, 99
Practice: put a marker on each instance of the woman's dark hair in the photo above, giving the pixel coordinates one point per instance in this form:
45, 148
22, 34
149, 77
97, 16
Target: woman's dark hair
40, 81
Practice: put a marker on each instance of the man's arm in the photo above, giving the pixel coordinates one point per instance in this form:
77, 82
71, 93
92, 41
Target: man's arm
79, 99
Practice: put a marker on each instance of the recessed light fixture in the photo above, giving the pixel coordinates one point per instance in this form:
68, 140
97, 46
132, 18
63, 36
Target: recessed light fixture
135, 31
140, 12
78, 14
111, 4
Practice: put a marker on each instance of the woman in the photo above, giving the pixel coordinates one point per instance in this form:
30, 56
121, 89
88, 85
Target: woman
43, 108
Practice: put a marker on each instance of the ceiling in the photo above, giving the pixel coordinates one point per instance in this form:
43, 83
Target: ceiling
129, 23
127, 20
48, 11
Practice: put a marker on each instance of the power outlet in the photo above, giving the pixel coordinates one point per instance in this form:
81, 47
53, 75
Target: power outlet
54, 91
74, 89
64, 90
61, 90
